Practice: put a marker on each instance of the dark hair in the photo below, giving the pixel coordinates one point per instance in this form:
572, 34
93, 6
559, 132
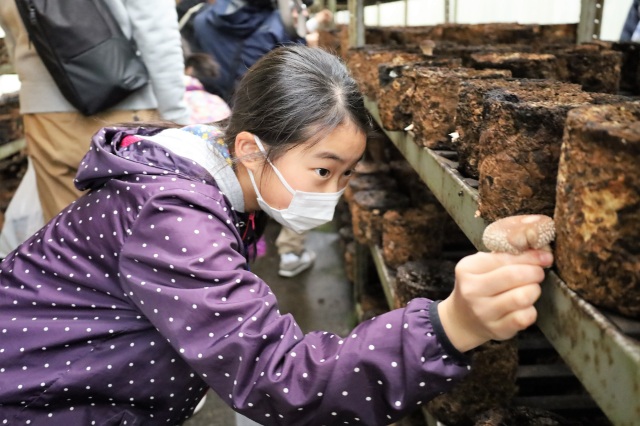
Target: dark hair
295, 94
202, 66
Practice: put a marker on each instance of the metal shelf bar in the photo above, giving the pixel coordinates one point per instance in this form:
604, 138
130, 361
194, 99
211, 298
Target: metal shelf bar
356, 23
442, 178
8, 149
386, 279
606, 361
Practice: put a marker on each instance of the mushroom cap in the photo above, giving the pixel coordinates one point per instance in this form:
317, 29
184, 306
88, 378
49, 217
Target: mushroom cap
515, 234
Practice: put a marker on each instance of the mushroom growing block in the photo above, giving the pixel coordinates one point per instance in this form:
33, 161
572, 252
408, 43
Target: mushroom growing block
469, 119
630, 71
598, 206
443, 48
413, 35
519, 150
367, 209
363, 63
429, 278
490, 384
397, 84
366, 182
593, 66
492, 33
557, 34
412, 234
435, 99
412, 186
521, 65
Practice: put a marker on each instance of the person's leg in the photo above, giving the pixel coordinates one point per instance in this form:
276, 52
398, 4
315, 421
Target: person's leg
294, 257
289, 241
56, 143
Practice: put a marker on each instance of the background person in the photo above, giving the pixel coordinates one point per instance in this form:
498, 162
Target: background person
58, 135
631, 27
236, 33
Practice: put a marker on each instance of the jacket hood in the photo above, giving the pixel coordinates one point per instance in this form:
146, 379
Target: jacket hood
237, 17
108, 159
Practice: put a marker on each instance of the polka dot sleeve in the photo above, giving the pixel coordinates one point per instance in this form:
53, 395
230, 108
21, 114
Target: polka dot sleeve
182, 267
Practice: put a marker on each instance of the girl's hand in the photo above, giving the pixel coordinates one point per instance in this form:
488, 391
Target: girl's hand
493, 297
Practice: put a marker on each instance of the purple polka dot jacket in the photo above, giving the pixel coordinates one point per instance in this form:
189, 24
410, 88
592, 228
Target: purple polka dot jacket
132, 302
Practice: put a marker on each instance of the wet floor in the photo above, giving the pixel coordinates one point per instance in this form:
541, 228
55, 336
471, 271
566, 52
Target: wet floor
319, 299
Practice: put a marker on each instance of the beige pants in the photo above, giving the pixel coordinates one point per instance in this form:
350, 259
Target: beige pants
289, 241
57, 142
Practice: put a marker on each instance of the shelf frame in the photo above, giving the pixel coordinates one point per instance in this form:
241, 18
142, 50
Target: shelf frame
11, 148
387, 281
603, 358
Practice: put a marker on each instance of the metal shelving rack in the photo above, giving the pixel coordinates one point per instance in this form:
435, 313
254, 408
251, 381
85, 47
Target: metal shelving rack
591, 13
602, 350
11, 148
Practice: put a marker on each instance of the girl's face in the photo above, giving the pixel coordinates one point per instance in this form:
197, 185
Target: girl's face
323, 167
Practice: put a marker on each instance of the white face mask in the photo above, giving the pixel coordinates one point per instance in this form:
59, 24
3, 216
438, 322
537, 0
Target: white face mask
306, 211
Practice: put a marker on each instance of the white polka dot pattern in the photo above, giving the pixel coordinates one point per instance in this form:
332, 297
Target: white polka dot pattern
136, 298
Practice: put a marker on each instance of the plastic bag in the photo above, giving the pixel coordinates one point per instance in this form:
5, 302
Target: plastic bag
24, 214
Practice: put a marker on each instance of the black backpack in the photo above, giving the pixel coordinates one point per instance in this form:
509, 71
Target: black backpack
80, 42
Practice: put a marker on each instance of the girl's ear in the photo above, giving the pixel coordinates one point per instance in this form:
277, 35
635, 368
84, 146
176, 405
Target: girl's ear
247, 151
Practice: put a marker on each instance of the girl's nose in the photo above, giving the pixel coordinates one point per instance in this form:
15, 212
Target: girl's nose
340, 185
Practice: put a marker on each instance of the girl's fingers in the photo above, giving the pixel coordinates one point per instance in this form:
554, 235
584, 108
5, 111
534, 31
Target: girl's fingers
511, 277
519, 298
480, 263
506, 278
515, 321
495, 308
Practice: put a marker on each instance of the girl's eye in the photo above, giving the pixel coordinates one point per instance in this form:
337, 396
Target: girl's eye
323, 172
348, 173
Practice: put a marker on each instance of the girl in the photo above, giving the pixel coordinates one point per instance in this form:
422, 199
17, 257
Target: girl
131, 302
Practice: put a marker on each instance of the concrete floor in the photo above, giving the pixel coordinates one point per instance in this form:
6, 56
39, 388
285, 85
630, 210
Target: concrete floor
320, 298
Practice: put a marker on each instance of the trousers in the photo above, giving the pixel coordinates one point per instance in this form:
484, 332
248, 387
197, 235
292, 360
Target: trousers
56, 144
289, 241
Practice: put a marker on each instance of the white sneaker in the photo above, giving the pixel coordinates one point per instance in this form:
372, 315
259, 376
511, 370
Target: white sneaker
291, 264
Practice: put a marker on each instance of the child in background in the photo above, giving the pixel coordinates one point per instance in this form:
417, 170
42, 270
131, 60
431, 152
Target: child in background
134, 300
204, 106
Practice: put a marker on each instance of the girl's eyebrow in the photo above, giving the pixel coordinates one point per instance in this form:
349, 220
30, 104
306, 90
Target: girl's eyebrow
329, 156
332, 156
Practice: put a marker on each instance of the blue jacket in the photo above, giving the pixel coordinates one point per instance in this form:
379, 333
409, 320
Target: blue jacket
237, 34
631, 22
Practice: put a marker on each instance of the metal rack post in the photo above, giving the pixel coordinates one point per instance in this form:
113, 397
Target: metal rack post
590, 20
356, 23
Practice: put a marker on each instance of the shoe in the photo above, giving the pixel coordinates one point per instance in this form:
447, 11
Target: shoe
291, 264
